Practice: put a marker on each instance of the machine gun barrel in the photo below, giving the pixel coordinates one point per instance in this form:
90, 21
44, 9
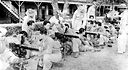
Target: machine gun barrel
12, 45
91, 33
71, 36
60, 35
29, 48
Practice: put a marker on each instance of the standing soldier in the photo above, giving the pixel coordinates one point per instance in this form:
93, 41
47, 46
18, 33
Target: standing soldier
92, 11
78, 16
122, 39
30, 15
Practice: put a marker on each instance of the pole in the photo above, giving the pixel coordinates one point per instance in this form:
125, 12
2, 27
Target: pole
66, 4
38, 4
19, 11
55, 5
19, 5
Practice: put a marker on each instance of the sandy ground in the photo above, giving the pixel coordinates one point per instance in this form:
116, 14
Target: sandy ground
107, 59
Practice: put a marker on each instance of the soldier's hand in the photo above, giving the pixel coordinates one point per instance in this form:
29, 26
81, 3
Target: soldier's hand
40, 49
40, 54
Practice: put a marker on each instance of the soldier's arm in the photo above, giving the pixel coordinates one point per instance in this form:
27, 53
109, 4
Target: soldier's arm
49, 48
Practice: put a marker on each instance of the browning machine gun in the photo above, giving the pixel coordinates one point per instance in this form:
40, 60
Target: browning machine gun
64, 37
71, 36
20, 50
91, 33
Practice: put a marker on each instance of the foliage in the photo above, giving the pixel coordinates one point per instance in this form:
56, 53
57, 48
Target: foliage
37, 26
112, 1
12, 30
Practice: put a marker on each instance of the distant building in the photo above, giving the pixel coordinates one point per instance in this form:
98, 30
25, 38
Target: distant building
10, 9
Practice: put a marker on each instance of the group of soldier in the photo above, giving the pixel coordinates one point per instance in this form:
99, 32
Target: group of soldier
85, 33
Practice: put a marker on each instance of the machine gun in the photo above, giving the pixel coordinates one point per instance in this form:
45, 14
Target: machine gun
22, 46
64, 37
91, 33
20, 50
71, 36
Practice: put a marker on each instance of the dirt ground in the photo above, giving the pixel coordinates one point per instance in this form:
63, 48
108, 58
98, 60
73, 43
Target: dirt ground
106, 59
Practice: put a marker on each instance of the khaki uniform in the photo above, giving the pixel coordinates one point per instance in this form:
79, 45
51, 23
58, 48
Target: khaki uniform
103, 35
85, 43
77, 20
76, 41
91, 11
6, 56
54, 20
122, 39
32, 63
51, 51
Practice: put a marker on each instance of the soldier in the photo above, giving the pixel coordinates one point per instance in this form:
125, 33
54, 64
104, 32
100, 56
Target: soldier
29, 27
122, 39
76, 41
22, 37
30, 16
56, 19
49, 50
6, 56
85, 42
92, 10
50, 31
103, 34
78, 17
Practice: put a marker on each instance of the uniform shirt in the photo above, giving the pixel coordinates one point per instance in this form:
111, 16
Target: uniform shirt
71, 32
11, 39
102, 31
49, 46
124, 22
3, 44
6, 56
56, 28
79, 17
99, 29
54, 20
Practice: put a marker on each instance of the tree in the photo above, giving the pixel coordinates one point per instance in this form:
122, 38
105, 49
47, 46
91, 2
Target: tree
112, 1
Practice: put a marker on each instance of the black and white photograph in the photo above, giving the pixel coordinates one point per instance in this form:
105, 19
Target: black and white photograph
63, 34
